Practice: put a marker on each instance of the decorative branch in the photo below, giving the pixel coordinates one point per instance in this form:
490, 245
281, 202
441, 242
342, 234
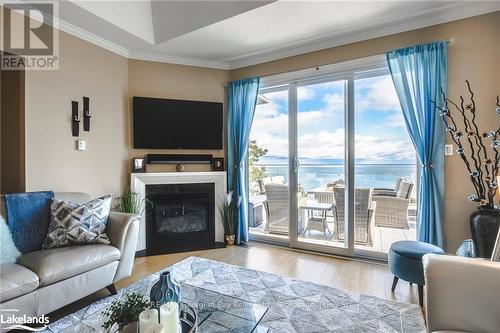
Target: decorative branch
483, 170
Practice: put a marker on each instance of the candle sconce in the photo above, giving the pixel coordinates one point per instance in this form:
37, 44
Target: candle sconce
86, 114
75, 119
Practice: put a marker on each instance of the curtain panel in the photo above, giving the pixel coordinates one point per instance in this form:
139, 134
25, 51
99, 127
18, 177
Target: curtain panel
419, 73
242, 98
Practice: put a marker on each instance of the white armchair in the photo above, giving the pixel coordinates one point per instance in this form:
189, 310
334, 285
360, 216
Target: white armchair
463, 294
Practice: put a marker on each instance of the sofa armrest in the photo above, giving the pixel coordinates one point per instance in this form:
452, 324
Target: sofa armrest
123, 230
462, 293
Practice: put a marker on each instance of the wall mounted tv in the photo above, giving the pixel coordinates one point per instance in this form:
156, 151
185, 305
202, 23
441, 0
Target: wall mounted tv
176, 124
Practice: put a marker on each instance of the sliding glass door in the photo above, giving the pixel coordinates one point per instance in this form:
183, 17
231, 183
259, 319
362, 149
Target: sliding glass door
332, 168
320, 165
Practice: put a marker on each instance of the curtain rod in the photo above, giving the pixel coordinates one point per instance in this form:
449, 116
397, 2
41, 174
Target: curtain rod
449, 41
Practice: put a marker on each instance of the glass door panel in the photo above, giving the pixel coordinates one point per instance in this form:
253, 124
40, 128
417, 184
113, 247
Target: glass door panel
384, 171
320, 166
269, 203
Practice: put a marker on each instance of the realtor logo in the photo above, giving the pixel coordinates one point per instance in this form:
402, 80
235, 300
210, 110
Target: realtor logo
30, 36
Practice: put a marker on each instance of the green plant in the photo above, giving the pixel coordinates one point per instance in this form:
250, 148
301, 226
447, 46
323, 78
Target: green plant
228, 213
125, 311
131, 202
256, 173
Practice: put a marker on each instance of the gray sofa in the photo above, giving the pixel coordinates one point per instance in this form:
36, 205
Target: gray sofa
46, 280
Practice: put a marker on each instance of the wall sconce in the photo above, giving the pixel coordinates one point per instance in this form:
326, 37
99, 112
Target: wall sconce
86, 114
75, 119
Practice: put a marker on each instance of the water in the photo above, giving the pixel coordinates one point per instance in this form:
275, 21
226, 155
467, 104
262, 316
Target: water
366, 175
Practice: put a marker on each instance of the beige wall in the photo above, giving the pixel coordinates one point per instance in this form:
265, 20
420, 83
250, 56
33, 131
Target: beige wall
475, 56
52, 162
110, 81
152, 79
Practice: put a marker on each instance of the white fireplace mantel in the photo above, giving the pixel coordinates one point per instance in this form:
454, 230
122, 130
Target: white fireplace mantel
140, 180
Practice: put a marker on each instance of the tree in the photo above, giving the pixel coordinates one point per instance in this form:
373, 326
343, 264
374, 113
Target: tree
256, 173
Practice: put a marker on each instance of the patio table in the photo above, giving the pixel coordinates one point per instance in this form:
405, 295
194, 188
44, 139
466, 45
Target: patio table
317, 223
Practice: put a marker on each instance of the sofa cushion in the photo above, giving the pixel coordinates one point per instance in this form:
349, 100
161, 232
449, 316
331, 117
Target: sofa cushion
53, 265
8, 250
72, 223
16, 280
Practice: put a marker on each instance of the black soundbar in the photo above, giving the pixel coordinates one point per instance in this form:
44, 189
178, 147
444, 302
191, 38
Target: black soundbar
178, 159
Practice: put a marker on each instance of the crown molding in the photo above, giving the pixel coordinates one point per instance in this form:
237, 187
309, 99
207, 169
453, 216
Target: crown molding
159, 57
448, 13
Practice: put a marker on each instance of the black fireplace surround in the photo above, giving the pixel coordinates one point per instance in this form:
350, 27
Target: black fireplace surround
180, 218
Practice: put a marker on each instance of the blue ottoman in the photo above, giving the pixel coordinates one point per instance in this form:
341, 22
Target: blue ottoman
405, 262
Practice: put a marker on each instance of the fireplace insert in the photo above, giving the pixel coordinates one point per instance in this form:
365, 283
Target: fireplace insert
180, 217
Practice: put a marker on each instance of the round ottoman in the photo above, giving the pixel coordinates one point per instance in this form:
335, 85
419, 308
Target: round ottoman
405, 262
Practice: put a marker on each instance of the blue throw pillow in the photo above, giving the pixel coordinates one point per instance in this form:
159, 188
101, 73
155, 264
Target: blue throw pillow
8, 250
28, 216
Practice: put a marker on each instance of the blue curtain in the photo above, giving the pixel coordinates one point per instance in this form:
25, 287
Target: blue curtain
418, 73
242, 98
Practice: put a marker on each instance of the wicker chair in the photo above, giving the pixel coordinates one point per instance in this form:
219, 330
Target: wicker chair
362, 216
278, 208
392, 211
391, 192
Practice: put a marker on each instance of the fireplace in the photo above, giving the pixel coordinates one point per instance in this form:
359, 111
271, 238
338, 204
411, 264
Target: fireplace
180, 217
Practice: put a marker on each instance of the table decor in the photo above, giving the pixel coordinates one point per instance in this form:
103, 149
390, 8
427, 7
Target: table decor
124, 314
480, 152
156, 328
169, 317
147, 318
165, 290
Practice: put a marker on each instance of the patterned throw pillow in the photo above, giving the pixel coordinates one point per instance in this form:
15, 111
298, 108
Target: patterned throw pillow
72, 224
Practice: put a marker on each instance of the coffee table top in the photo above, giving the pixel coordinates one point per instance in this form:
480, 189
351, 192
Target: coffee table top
216, 313
312, 205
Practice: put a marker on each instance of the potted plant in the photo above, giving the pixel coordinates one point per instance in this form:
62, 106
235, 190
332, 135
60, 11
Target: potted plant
480, 152
131, 202
229, 213
123, 315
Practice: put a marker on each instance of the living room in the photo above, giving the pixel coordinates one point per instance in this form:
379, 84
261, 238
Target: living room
313, 135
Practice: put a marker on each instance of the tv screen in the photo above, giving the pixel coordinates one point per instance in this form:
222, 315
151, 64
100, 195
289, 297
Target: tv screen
176, 124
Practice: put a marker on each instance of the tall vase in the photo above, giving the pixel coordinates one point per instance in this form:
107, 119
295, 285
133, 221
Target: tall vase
165, 290
484, 224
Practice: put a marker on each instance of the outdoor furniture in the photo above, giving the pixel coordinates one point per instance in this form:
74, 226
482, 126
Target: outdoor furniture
314, 222
392, 211
363, 207
323, 196
255, 210
388, 191
270, 180
405, 262
278, 208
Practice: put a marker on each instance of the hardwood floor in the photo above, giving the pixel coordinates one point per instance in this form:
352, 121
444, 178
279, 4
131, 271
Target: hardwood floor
363, 277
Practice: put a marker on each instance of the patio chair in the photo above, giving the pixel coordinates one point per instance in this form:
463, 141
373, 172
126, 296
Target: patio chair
388, 191
362, 216
270, 180
392, 211
278, 208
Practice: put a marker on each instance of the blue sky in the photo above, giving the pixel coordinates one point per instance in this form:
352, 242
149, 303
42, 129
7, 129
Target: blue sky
380, 133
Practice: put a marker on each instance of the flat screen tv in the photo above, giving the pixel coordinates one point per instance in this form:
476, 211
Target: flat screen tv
176, 124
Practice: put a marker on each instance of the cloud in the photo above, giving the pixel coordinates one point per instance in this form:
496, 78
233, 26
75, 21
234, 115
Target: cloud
376, 94
396, 120
330, 145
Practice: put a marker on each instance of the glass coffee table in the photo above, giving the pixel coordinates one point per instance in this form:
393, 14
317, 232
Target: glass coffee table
215, 313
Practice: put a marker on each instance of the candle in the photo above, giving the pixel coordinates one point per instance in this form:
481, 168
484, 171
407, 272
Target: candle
169, 317
147, 318
155, 328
